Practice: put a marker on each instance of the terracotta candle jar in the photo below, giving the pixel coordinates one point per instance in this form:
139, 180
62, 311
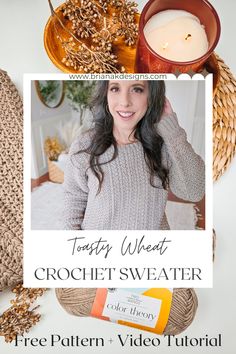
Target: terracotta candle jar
176, 35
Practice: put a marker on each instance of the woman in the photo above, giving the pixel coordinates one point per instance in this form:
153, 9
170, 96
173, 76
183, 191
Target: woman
119, 173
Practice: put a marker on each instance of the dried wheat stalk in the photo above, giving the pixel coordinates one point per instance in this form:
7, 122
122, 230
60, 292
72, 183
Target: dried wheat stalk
224, 121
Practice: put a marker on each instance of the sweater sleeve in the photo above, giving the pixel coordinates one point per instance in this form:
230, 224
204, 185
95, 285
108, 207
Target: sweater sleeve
75, 188
186, 168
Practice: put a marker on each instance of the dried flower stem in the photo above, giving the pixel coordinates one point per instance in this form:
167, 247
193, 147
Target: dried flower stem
96, 55
19, 318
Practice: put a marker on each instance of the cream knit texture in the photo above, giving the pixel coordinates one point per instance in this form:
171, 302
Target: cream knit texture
11, 183
127, 201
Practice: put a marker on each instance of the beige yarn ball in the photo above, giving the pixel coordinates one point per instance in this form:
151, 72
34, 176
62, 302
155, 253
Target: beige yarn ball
184, 304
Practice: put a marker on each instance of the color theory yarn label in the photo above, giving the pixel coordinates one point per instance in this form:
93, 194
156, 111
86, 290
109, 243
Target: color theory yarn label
146, 309
132, 307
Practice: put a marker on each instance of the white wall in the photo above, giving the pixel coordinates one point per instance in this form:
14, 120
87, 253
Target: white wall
40, 111
45, 122
188, 101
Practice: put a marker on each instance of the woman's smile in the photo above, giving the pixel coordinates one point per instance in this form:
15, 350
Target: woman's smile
126, 115
127, 103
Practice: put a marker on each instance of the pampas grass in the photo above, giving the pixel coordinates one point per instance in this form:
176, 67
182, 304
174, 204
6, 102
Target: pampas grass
71, 129
68, 131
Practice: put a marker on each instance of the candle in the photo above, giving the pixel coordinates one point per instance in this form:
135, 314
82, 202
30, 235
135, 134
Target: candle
176, 35
191, 50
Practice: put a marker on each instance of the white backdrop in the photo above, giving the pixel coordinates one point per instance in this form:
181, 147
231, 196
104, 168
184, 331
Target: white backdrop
21, 27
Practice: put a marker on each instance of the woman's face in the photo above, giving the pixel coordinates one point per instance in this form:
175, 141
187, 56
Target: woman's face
127, 102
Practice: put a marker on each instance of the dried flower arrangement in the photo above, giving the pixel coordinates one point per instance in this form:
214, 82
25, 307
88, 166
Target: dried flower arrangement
19, 318
91, 28
53, 148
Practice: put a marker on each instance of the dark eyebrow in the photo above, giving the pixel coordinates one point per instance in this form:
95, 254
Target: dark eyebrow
136, 84
113, 83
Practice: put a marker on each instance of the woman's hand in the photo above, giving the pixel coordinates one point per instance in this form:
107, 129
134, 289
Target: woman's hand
167, 109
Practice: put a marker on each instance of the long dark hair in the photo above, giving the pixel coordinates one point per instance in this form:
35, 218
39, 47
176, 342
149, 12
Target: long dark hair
145, 132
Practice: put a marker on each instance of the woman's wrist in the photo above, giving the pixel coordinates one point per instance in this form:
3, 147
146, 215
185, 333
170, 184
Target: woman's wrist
168, 127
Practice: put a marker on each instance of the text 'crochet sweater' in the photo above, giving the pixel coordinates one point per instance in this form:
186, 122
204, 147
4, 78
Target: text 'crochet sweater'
127, 201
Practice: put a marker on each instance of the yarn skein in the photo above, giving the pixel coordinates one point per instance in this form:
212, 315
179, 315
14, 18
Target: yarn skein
184, 304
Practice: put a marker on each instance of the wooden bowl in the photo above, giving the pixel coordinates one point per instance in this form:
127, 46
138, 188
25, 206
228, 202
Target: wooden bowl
125, 54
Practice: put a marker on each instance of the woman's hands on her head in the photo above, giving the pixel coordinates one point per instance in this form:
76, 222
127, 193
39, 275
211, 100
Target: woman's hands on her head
167, 109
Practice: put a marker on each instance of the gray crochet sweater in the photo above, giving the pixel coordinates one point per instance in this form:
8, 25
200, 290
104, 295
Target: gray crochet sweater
127, 200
